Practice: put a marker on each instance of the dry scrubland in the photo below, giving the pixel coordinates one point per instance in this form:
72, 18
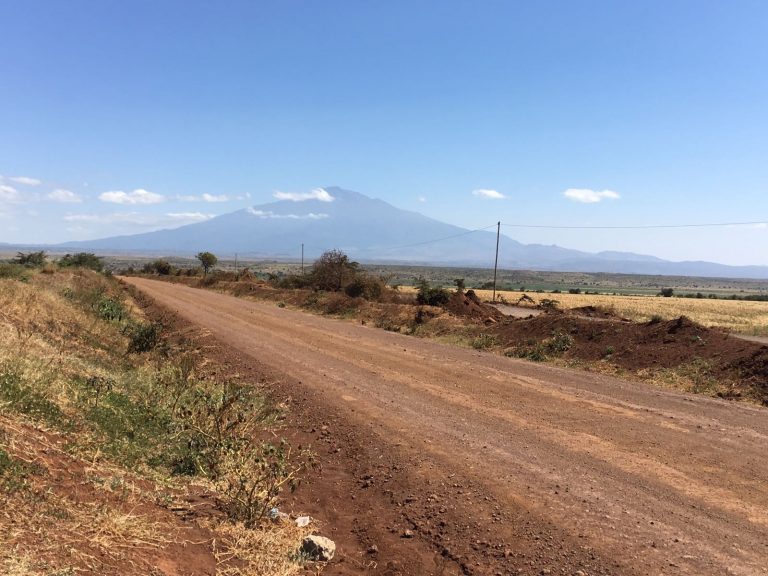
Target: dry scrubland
110, 435
745, 317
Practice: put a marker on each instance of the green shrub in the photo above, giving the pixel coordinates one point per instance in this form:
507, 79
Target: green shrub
30, 259
560, 342
431, 296
10, 270
160, 266
82, 260
484, 341
143, 337
365, 286
536, 352
111, 309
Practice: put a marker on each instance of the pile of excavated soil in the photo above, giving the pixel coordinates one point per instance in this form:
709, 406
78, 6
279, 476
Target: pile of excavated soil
596, 312
468, 304
633, 346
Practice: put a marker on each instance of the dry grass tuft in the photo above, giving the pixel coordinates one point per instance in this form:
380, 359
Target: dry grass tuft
263, 550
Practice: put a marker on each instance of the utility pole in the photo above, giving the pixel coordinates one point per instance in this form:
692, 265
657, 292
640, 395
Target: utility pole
235, 263
496, 262
302, 258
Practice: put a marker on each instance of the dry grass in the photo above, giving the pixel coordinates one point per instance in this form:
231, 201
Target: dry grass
745, 317
67, 506
242, 552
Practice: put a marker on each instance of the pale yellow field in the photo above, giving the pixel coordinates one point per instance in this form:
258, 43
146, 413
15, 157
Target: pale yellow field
739, 316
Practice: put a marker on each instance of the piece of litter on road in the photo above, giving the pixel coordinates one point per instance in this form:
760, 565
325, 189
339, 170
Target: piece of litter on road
302, 521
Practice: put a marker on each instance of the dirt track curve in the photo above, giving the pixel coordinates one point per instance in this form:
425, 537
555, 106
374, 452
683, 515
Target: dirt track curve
499, 466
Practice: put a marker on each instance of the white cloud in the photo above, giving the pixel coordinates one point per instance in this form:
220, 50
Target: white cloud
204, 198
65, 196
25, 180
8, 193
190, 216
422, 199
316, 194
486, 193
265, 214
140, 219
587, 196
138, 196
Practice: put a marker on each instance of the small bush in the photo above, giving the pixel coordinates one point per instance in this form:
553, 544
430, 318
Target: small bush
82, 260
365, 286
143, 337
110, 309
431, 296
484, 341
560, 342
160, 266
536, 352
14, 271
30, 259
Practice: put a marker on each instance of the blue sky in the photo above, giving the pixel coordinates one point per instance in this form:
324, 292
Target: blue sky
121, 117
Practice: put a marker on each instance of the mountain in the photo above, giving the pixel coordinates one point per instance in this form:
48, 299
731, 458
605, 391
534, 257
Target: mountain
373, 230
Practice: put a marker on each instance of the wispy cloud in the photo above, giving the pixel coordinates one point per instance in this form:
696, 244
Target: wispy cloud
8, 193
264, 214
139, 218
587, 196
64, 196
487, 193
25, 180
316, 194
190, 216
422, 199
204, 198
138, 196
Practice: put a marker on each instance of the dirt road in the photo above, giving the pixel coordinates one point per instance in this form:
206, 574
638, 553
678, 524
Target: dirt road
500, 466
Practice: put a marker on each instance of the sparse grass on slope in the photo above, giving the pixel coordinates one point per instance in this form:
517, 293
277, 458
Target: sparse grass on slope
106, 431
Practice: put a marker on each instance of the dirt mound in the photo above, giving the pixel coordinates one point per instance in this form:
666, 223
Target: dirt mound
636, 347
468, 304
595, 312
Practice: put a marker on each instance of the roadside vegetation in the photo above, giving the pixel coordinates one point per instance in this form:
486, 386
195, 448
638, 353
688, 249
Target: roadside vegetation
111, 432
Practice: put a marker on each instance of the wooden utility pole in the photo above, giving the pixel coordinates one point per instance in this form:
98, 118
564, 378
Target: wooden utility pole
302, 258
496, 262
235, 263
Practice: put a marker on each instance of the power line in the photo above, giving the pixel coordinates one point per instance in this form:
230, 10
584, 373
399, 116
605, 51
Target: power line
638, 227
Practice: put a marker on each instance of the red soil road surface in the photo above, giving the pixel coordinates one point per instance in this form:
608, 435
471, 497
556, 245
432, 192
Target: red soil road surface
512, 467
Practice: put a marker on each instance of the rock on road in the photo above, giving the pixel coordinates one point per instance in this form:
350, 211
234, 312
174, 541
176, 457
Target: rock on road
653, 481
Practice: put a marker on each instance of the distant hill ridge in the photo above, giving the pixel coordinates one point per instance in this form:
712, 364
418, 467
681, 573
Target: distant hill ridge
370, 229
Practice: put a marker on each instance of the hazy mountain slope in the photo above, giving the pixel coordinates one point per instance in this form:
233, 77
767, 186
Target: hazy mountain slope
371, 229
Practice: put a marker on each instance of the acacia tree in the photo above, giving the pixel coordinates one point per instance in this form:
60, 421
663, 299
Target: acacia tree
207, 260
30, 258
331, 270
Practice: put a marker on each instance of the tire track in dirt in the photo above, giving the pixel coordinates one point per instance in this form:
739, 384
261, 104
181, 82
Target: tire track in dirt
654, 481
